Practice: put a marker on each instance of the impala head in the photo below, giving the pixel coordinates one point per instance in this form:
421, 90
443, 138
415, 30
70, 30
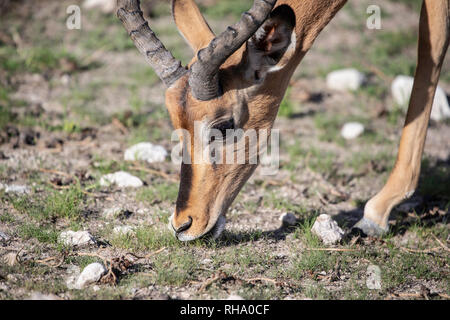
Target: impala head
235, 81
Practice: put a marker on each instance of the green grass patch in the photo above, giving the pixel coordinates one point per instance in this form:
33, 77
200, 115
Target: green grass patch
57, 204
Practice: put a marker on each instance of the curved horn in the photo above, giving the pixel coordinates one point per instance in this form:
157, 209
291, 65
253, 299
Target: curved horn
165, 65
204, 79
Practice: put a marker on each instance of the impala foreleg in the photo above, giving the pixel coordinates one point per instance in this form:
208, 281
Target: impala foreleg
434, 35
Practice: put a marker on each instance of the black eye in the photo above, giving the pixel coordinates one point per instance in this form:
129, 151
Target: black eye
224, 126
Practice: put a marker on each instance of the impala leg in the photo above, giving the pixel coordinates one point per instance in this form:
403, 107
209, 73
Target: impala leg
434, 33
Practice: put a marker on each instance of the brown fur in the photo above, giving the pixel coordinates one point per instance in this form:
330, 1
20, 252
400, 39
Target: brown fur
206, 191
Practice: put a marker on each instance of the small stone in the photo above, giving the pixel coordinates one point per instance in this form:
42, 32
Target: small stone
96, 288
90, 274
373, 280
146, 151
17, 189
345, 79
3, 237
401, 89
123, 230
327, 229
73, 272
288, 219
121, 179
234, 297
76, 238
207, 261
352, 130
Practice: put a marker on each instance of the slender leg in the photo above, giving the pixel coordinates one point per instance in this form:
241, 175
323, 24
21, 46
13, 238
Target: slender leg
434, 33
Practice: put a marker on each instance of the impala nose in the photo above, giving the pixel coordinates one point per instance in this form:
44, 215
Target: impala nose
184, 226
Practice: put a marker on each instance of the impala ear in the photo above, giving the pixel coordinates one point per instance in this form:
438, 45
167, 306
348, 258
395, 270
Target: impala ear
191, 24
272, 45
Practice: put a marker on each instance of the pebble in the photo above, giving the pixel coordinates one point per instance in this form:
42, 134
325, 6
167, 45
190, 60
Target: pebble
3, 236
76, 238
288, 219
90, 274
123, 230
17, 189
327, 229
10, 259
234, 297
122, 179
401, 89
373, 281
352, 130
146, 151
345, 79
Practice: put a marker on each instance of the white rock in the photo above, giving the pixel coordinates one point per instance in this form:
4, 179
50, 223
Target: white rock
17, 189
146, 151
3, 236
73, 272
121, 179
401, 89
123, 230
345, 79
373, 280
288, 219
76, 238
234, 297
90, 274
107, 6
352, 130
327, 229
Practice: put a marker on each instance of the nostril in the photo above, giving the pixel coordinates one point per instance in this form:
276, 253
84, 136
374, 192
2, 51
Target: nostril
184, 226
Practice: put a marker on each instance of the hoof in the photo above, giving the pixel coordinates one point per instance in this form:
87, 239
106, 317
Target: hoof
370, 228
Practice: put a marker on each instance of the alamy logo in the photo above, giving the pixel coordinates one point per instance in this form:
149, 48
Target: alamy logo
374, 20
73, 21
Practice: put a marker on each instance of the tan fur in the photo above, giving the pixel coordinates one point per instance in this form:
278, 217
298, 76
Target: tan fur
208, 191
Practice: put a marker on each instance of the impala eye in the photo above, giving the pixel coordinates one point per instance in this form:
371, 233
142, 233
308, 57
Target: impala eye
223, 127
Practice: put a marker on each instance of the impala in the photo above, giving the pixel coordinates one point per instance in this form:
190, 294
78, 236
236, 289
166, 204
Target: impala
237, 80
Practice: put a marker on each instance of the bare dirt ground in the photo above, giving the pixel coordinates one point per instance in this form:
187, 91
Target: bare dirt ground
72, 101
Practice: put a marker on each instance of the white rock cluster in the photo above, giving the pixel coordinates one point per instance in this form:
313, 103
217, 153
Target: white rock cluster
327, 229
76, 238
352, 130
146, 151
122, 179
401, 89
345, 79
